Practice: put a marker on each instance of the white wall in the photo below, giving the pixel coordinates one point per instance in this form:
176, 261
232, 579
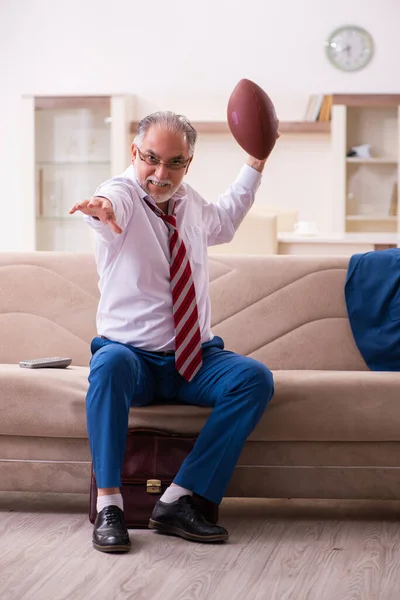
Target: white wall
188, 56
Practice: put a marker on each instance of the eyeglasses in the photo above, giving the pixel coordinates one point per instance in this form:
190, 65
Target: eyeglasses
175, 164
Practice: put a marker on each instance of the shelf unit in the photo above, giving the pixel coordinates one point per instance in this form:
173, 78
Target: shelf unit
371, 218
285, 127
365, 190
381, 160
72, 144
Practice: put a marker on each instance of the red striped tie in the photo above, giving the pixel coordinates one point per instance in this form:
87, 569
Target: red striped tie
188, 353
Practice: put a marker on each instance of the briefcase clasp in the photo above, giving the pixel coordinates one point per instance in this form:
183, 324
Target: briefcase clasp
153, 486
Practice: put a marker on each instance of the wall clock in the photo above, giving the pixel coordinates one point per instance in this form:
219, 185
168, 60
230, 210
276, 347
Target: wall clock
350, 48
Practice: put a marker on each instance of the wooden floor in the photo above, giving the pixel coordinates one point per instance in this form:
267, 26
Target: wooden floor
314, 550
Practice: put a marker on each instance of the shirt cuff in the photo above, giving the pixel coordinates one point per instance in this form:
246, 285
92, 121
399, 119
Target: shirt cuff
249, 178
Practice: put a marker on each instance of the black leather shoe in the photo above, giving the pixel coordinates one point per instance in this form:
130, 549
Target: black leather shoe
183, 518
110, 533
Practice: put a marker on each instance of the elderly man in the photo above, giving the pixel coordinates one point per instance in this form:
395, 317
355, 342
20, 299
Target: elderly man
154, 339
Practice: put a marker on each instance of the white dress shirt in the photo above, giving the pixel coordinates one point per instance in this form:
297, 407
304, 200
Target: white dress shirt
136, 304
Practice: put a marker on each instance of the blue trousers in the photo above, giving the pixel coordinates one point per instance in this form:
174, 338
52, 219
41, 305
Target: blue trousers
237, 387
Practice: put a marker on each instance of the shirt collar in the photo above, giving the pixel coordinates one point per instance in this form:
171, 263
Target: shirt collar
176, 198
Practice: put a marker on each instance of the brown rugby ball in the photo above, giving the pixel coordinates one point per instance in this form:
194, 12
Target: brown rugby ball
252, 119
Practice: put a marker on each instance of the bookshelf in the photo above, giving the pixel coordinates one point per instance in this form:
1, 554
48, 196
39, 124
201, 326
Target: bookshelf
365, 188
285, 127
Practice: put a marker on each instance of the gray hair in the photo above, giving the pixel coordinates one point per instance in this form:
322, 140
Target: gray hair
171, 121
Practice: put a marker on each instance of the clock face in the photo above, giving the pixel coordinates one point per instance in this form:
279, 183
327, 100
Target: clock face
350, 48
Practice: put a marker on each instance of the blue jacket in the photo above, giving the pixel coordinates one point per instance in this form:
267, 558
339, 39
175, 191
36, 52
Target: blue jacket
372, 293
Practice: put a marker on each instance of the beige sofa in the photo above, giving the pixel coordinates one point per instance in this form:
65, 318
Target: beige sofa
331, 430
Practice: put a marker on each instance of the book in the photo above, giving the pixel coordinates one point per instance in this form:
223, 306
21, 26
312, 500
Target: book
326, 107
318, 107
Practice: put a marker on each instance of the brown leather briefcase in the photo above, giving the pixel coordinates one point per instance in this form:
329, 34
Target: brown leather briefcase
152, 459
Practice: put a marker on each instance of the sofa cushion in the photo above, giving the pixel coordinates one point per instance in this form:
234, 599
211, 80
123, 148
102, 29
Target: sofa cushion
282, 312
57, 317
307, 406
277, 309
43, 402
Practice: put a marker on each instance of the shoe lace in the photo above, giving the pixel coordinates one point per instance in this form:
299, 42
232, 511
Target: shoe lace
192, 510
112, 515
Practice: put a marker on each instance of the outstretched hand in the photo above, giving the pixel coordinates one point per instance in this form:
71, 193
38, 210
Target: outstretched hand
100, 208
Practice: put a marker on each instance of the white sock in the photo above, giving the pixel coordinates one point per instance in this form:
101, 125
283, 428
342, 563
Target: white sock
173, 493
114, 499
